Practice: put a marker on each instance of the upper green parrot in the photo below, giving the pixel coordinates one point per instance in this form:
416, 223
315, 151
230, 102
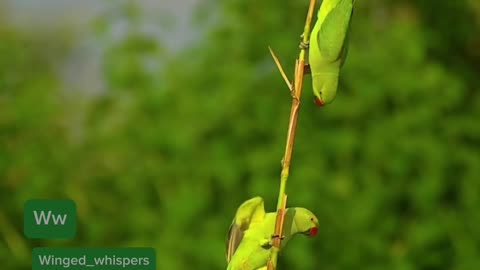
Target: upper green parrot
329, 47
250, 236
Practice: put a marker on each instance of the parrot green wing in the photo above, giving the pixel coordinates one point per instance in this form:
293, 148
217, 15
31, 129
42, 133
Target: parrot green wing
234, 237
334, 30
344, 51
250, 212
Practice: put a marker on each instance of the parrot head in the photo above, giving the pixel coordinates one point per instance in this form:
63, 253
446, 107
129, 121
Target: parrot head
305, 222
325, 87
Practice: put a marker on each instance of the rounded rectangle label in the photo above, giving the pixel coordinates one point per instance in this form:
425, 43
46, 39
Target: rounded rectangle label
93, 258
50, 219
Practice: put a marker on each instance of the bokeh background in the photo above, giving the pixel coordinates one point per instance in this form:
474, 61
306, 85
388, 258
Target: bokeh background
160, 117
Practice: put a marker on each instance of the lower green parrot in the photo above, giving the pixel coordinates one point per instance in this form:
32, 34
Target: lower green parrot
329, 47
249, 238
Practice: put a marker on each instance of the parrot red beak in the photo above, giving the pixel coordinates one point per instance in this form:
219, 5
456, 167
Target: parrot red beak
313, 231
318, 101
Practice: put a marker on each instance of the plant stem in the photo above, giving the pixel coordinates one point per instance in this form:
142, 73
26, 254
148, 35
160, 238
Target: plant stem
292, 126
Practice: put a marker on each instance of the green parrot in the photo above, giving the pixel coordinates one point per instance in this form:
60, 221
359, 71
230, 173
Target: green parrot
249, 238
329, 47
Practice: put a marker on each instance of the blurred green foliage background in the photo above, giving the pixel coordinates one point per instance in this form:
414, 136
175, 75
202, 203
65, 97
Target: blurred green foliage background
176, 138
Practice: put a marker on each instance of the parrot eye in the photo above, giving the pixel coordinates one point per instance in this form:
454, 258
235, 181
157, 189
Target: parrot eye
311, 219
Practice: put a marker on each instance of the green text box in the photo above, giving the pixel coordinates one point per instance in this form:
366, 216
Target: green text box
93, 258
49, 219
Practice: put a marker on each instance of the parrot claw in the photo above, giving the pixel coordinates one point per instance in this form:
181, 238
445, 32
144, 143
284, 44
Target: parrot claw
304, 45
266, 243
307, 69
278, 236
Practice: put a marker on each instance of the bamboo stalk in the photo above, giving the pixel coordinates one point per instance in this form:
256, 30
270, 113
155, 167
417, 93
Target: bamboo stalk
296, 93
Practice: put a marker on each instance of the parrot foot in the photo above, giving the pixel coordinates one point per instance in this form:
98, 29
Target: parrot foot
266, 243
303, 45
278, 236
306, 69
